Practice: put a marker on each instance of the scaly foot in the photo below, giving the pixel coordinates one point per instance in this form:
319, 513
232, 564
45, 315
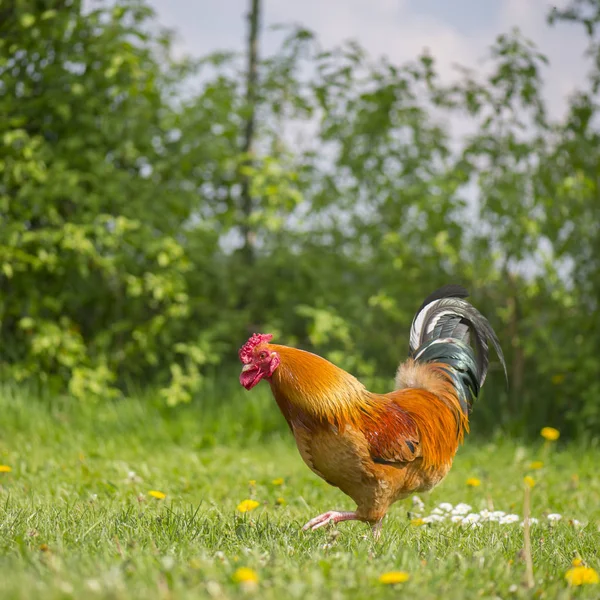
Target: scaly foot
332, 516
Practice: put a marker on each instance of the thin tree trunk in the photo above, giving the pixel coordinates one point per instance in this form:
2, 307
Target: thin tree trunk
248, 144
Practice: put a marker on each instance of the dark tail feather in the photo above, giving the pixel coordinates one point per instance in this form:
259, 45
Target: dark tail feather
440, 332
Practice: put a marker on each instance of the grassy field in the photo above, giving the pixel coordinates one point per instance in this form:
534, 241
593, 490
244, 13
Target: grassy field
77, 518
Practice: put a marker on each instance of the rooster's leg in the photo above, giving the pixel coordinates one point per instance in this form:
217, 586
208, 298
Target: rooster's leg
377, 529
332, 516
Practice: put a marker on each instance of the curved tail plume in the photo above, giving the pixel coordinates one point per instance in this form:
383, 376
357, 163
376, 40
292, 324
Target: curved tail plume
441, 332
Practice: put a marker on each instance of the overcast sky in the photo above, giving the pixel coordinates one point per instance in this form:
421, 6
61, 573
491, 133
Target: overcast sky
454, 31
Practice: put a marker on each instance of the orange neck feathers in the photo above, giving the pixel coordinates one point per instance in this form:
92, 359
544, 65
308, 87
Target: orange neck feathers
314, 386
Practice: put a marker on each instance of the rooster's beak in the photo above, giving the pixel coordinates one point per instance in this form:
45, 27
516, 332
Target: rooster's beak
247, 367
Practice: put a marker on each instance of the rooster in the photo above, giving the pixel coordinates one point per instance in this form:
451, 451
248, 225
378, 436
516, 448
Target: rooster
379, 448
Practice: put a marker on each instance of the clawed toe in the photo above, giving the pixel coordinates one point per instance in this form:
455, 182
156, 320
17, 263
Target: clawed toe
332, 516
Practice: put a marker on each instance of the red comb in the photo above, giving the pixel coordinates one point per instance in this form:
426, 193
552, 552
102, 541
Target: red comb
245, 352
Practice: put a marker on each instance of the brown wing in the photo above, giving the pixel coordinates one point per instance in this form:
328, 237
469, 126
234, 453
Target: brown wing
392, 434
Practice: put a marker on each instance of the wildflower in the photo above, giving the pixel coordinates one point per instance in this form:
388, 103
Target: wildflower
471, 518
252, 483
550, 434
575, 523
578, 562
438, 511
5, 469
445, 506
582, 576
473, 482
433, 519
280, 501
495, 515
508, 519
456, 518
536, 465
532, 521
461, 509
247, 505
156, 494
393, 577
418, 503
246, 577
278, 481
554, 517
417, 522
529, 481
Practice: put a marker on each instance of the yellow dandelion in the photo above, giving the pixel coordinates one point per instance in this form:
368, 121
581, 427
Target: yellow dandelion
529, 481
252, 482
473, 482
536, 465
550, 434
417, 522
245, 575
278, 481
582, 576
156, 494
5, 469
578, 562
393, 577
247, 505
280, 501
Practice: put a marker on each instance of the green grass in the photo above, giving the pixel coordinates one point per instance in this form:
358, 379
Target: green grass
75, 524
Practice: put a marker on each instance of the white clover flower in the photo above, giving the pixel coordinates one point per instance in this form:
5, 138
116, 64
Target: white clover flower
532, 521
418, 503
575, 523
456, 519
471, 518
445, 506
438, 511
461, 509
554, 517
433, 519
485, 514
508, 519
496, 515
473, 524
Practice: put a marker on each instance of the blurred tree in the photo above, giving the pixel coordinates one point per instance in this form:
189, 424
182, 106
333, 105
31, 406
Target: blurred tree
149, 216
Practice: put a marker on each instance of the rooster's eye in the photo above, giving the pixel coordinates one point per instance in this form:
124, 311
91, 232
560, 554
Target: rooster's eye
262, 355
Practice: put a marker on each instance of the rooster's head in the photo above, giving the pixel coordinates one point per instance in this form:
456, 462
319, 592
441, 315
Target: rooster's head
258, 358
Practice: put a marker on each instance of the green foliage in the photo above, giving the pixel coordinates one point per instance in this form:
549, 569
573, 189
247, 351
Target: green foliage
124, 247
